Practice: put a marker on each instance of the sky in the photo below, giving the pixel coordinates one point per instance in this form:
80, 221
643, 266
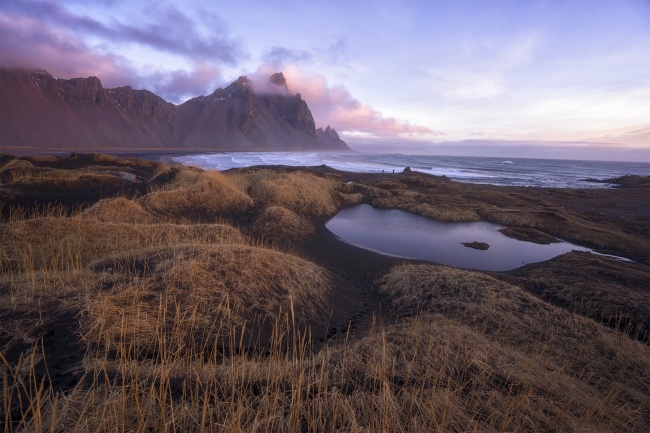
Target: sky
538, 78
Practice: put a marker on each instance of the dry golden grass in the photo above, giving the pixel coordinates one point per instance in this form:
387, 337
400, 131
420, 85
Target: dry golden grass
72, 181
444, 213
197, 195
594, 362
102, 161
301, 192
571, 227
118, 209
169, 314
15, 169
395, 202
178, 295
279, 224
408, 193
178, 177
70, 243
369, 192
438, 374
44, 159
528, 235
480, 355
530, 218
427, 374
604, 289
347, 200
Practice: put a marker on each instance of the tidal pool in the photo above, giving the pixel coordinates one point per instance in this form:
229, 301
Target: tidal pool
402, 234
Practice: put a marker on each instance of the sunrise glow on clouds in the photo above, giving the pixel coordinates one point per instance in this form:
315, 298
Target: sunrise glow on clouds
388, 75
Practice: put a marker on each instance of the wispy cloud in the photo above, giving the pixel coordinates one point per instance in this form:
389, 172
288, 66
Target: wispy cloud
482, 68
279, 56
26, 42
152, 29
460, 85
337, 52
29, 41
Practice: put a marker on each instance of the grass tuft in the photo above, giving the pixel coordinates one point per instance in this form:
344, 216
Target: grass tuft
278, 224
197, 195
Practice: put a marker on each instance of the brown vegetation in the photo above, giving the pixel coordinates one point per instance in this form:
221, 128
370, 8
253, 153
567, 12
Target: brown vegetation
199, 195
528, 235
278, 224
181, 298
118, 209
545, 352
613, 292
300, 192
128, 314
14, 169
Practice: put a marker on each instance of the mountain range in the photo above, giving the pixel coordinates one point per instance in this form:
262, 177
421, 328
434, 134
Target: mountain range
42, 112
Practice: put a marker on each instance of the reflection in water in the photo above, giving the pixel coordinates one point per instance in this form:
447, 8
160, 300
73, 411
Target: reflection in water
402, 234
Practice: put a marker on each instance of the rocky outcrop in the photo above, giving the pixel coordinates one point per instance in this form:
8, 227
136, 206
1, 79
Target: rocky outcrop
243, 114
290, 107
278, 79
331, 138
143, 103
39, 111
79, 92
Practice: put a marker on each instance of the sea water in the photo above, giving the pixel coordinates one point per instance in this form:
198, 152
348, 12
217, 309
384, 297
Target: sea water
495, 171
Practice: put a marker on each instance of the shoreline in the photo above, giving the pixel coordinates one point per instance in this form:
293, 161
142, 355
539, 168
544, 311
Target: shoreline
526, 172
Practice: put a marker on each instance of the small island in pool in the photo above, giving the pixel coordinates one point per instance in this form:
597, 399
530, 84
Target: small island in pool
140, 295
477, 245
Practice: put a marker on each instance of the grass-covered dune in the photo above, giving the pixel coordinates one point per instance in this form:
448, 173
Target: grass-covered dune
141, 296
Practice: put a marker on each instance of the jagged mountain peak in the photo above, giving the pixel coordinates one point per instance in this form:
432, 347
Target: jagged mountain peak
331, 138
279, 80
241, 81
39, 111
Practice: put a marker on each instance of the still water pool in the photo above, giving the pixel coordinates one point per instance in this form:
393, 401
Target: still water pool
402, 234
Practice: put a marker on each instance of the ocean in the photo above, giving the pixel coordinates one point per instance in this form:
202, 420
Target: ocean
495, 171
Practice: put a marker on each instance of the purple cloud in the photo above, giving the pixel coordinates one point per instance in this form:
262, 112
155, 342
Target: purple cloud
167, 29
27, 43
175, 86
337, 53
280, 56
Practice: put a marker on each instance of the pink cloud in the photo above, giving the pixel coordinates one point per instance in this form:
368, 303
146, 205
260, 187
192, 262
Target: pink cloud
30, 44
335, 106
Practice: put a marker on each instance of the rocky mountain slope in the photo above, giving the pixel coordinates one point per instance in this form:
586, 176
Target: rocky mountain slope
41, 112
